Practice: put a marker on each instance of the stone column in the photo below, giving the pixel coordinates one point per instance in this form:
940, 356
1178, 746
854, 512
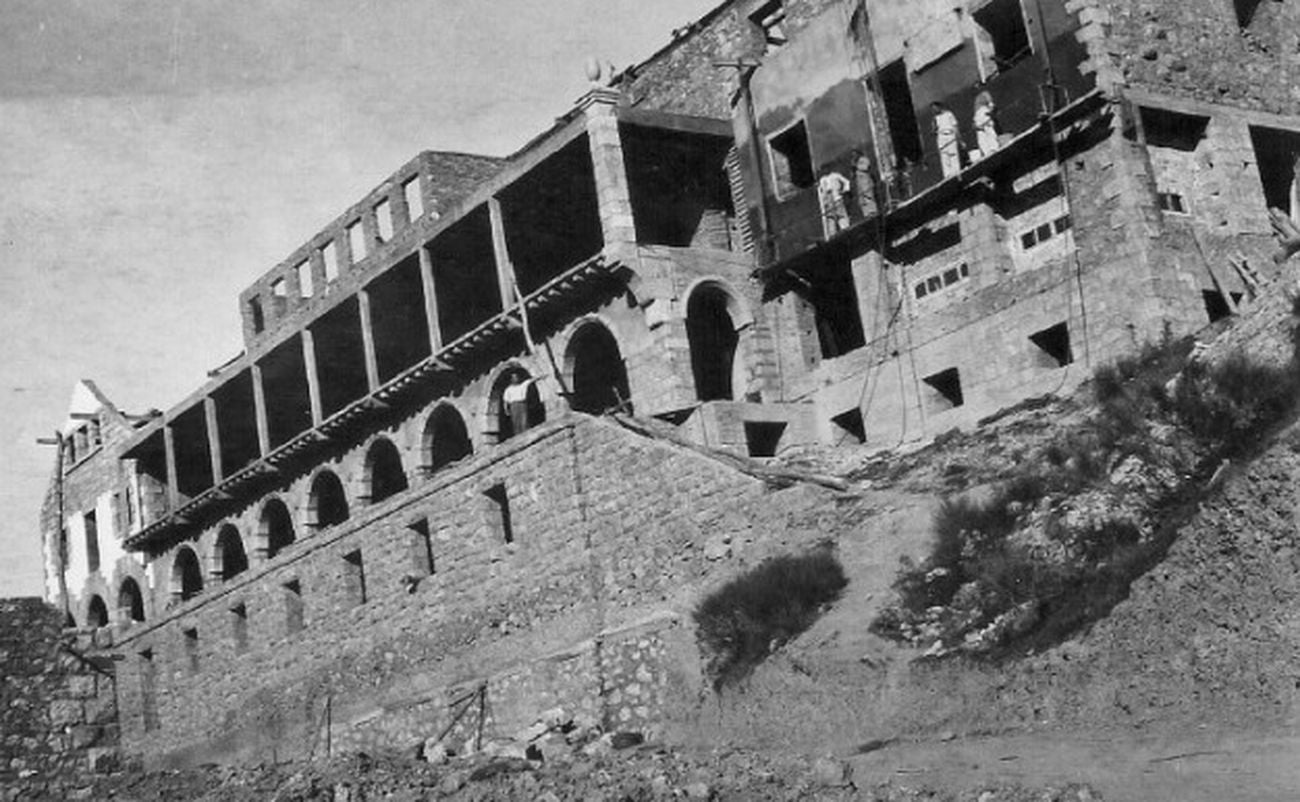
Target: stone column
214, 439
613, 194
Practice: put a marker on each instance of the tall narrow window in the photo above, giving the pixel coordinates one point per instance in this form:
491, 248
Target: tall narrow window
354, 575
384, 220
293, 606
148, 690
1003, 36
498, 513
792, 167
92, 542
239, 627
420, 547
305, 288
256, 317
191, 637
330, 255
357, 241
414, 199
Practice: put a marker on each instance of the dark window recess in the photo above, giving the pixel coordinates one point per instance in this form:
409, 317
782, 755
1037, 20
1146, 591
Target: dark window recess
763, 438
192, 649
293, 606
1278, 154
1043, 233
1003, 22
92, 542
1171, 129
792, 167
239, 627
421, 550
97, 612
1216, 306
829, 289
148, 690
945, 390
256, 316
1171, 202
770, 19
498, 513
354, 568
851, 424
942, 280
1061, 224
1245, 10
1054, 343
904, 130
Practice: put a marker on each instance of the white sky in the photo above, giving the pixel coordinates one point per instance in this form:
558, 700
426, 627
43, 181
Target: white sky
158, 155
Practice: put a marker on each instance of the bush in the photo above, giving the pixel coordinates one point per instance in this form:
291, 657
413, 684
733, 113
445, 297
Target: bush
1230, 405
740, 623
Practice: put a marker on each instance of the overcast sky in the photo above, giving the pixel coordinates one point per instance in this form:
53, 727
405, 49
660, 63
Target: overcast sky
157, 156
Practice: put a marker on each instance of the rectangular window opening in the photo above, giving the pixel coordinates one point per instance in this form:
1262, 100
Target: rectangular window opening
850, 425
356, 241
192, 648
384, 220
1054, 343
92, 542
421, 549
305, 288
763, 438
148, 690
256, 316
904, 130
1163, 128
1277, 152
280, 288
792, 168
330, 255
498, 512
293, 606
945, 390
414, 199
355, 577
239, 627
1003, 33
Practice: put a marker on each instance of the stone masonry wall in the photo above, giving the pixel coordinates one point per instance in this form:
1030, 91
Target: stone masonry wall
57, 709
611, 535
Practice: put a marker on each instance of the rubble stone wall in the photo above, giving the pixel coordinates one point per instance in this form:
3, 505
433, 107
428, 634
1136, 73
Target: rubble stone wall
57, 709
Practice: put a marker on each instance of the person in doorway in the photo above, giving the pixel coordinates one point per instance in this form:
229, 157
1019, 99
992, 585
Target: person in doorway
864, 186
985, 122
515, 399
947, 139
831, 188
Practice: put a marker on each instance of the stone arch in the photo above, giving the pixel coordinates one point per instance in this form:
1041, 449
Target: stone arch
187, 576
594, 367
130, 602
96, 611
274, 528
505, 421
714, 320
229, 558
383, 474
327, 503
446, 439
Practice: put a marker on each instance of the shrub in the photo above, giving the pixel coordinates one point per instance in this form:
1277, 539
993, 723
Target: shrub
740, 623
1229, 405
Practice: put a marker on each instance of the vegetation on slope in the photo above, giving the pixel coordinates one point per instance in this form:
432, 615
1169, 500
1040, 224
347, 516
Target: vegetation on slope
745, 620
1058, 543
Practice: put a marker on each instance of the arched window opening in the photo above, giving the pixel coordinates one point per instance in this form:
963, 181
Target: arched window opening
276, 528
130, 602
711, 331
384, 474
515, 406
446, 439
327, 504
187, 577
229, 558
96, 612
598, 375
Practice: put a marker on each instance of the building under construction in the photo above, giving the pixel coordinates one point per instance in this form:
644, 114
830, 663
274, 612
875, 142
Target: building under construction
495, 423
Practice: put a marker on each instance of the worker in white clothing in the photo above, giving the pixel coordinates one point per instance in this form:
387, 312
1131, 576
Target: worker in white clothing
986, 127
947, 139
831, 188
515, 399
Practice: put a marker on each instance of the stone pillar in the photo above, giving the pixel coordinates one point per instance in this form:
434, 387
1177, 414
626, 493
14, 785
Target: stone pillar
259, 410
430, 300
169, 453
613, 194
313, 376
368, 341
214, 439
871, 286
501, 252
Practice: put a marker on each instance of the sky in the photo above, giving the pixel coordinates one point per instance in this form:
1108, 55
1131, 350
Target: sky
156, 156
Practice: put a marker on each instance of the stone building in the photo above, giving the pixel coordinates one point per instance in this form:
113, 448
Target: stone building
403, 509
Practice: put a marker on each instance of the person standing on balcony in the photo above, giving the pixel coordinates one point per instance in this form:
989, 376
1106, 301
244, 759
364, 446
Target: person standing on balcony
946, 139
986, 127
830, 191
864, 186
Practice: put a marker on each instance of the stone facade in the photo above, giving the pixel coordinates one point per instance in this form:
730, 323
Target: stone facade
58, 714
354, 536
